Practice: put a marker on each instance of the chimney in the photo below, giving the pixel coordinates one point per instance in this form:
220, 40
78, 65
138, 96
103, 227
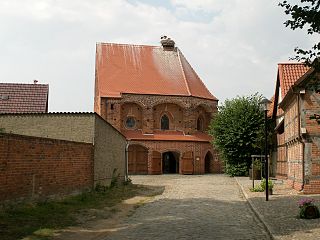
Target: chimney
35, 81
167, 43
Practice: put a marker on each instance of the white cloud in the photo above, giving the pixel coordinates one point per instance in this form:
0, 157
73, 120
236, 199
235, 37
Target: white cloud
234, 45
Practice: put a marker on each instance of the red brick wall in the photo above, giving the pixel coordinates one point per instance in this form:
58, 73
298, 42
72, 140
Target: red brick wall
198, 150
32, 167
183, 113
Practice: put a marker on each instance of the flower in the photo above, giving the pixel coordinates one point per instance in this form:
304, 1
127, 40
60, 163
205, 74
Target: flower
306, 202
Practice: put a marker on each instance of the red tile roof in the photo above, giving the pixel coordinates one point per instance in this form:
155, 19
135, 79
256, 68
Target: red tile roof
271, 106
289, 73
23, 98
141, 69
166, 136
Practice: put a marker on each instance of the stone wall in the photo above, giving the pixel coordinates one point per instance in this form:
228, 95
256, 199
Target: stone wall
38, 168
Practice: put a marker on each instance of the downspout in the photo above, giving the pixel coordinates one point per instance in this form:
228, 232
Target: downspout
126, 164
300, 139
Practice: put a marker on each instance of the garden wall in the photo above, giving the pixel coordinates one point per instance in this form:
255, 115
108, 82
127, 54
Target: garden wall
36, 168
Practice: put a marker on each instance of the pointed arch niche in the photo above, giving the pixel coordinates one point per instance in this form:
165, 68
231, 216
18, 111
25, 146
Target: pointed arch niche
168, 116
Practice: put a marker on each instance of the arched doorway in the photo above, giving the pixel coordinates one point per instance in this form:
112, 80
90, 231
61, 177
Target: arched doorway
170, 162
137, 159
208, 162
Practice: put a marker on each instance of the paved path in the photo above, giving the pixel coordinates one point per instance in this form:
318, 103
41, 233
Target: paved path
192, 207
280, 213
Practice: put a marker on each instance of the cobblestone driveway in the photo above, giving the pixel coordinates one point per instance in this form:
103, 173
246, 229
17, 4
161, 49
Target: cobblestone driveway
192, 207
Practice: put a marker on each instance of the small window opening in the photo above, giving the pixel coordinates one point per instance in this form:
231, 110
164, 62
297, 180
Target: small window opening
200, 124
164, 122
112, 106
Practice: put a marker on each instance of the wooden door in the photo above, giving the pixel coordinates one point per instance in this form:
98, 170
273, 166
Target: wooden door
187, 163
137, 160
156, 163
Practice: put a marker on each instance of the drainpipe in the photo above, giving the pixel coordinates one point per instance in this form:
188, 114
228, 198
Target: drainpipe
126, 164
300, 139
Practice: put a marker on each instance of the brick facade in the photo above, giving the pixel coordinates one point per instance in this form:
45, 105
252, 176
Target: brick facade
109, 144
185, 114
36, 168
302, 135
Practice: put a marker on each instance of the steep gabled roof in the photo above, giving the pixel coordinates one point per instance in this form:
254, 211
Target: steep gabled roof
140, 69
23, 98
289, 73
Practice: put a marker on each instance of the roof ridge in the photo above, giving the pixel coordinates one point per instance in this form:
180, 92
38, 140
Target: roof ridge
183, 73
197, 76
127, 44
33, 84
292, 63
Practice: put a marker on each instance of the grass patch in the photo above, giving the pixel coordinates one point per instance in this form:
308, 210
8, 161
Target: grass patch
40, 219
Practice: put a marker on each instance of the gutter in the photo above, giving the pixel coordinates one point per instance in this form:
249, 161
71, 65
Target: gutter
126, 163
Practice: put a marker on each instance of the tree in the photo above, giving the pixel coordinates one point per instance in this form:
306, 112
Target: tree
237, 131
307, 15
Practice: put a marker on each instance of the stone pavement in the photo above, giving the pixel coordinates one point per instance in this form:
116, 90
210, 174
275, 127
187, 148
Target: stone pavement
191, 207
280, 213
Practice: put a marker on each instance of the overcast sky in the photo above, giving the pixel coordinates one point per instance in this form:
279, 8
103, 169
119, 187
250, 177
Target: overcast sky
234, 45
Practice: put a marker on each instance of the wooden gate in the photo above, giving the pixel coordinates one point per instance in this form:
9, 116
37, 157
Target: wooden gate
187, 163
137, 160
156, 163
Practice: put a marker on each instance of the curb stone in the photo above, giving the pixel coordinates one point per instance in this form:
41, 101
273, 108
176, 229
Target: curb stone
267, 227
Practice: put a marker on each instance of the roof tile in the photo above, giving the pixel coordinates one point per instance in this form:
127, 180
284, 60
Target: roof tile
23, 98
141, 69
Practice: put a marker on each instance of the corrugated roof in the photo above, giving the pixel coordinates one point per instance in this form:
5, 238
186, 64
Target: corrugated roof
23, 98
139, 69
289, 73
166, 136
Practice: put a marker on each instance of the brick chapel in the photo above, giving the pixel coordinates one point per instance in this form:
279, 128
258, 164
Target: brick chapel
156, 99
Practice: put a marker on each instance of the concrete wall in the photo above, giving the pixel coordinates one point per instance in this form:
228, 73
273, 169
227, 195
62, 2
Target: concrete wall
36, 168
109, 144
109, 153
78, 127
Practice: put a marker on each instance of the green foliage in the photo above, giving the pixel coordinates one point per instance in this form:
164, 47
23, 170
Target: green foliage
263, 184
128, 181
257, 165
238, 131
305, 14
257, 189
238, 169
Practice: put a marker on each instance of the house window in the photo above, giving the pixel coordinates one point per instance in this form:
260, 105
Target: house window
130, 122
200, 124
112, 106
164, 122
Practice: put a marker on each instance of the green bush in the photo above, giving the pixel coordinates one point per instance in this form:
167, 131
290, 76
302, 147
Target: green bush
240, 169
263, 184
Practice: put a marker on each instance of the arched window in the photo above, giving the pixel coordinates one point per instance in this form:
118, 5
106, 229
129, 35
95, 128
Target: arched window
164, 122
200, 124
